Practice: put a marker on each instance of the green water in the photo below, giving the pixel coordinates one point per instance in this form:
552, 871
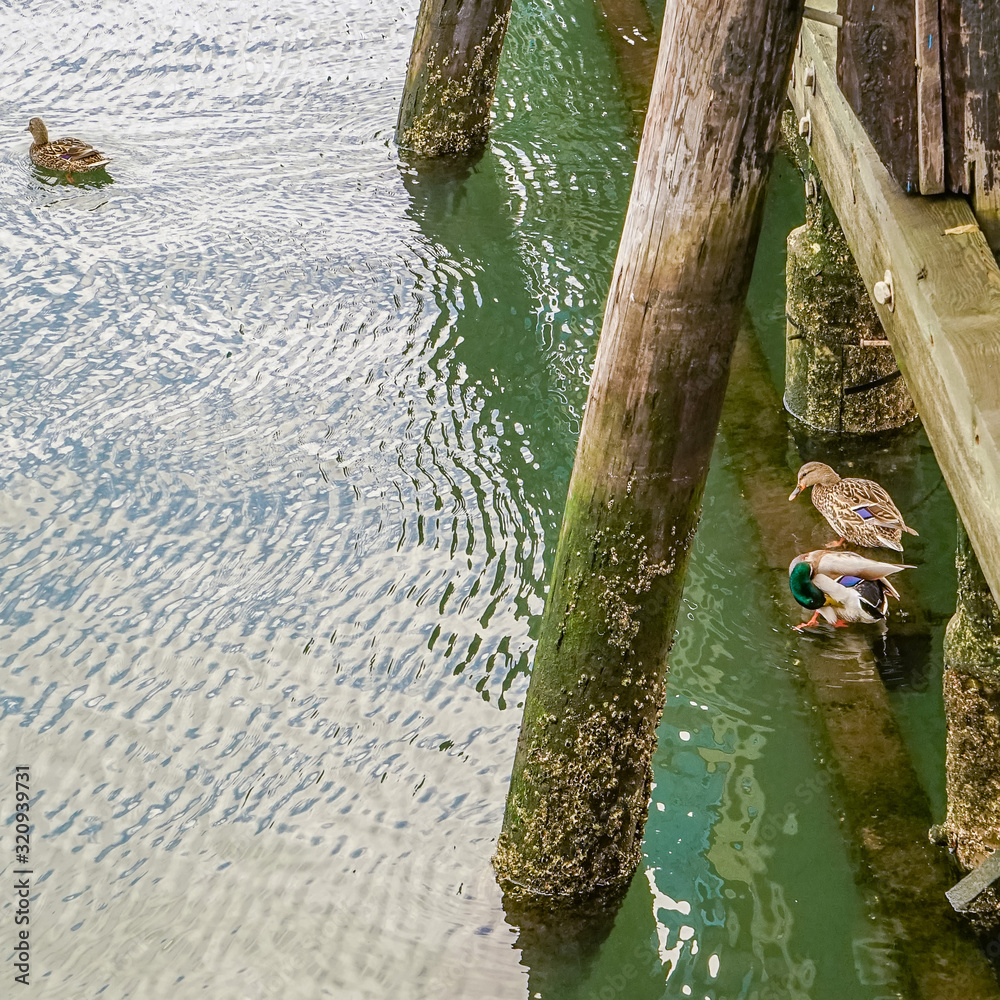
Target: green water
287, 429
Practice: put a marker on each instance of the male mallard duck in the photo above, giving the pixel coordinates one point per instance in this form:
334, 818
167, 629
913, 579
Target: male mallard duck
68, 156
843, 587
859, 510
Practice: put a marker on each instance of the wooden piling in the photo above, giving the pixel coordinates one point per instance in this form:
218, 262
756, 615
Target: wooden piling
840, 373
972, 708
451, 77
580, 787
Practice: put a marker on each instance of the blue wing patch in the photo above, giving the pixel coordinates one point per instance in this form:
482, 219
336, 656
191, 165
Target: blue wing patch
864, 512
850, 581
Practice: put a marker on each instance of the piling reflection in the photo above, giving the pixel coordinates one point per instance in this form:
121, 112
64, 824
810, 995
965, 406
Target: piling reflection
885, 805
515, 323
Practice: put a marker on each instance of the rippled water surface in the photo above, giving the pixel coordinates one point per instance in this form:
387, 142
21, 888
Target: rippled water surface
286, 432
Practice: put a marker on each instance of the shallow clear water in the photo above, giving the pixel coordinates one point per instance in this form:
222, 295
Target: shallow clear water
286, 433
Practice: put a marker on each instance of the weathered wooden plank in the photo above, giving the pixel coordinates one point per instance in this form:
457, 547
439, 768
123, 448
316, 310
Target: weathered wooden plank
944, 324
971, 48
976, 882
878, 76
930, 107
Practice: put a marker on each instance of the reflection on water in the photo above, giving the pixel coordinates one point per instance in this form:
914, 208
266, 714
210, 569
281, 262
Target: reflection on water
287, 427
284, 437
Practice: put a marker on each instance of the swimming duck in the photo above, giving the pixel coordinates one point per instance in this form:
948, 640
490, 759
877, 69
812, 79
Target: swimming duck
859, 510
68, 156
842, 587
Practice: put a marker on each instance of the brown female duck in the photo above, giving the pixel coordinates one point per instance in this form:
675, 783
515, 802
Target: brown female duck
859, 510
68, 156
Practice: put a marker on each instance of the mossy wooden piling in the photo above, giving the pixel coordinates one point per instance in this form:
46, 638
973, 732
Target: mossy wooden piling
579, 793
972, 708
451, 77
840, 373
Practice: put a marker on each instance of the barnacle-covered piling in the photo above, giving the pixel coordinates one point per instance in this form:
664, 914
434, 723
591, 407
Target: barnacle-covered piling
972, 708
451, 77
579, 793
840, 373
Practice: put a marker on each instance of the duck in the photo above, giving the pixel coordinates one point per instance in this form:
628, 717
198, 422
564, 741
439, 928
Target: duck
842, 587
859, 510
67, 155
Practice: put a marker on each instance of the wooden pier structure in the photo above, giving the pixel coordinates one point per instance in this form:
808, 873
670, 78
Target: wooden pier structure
899, 106
936, 286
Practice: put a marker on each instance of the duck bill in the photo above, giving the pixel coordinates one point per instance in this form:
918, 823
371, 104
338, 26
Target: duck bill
795, 492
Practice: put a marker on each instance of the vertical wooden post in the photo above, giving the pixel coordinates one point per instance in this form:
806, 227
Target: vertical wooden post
579, 792
971, 47
930, 107
840, 372
877, 74
451, 76
972, 707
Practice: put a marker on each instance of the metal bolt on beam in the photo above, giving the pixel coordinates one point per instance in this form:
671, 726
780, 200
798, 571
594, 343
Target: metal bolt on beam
809, 78
805, 128
882, 292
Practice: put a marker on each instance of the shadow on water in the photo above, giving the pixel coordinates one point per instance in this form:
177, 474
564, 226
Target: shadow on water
574, 956
559, 944
486, 339
93, 180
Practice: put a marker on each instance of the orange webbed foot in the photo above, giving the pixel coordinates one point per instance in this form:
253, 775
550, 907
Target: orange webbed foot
809, 624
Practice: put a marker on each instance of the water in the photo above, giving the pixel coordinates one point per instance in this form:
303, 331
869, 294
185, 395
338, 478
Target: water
286, 433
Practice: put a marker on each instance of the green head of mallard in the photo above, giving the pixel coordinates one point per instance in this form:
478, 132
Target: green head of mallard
38, 131
803, 589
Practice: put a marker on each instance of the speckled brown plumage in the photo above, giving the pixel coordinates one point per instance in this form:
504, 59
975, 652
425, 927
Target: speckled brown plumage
67, 155
859, 510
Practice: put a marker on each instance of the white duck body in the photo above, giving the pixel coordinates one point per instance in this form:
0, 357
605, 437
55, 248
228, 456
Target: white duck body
842, 587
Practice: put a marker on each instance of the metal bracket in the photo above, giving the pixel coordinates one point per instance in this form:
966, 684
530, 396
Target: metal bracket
809, 78
977, 881
805, 128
